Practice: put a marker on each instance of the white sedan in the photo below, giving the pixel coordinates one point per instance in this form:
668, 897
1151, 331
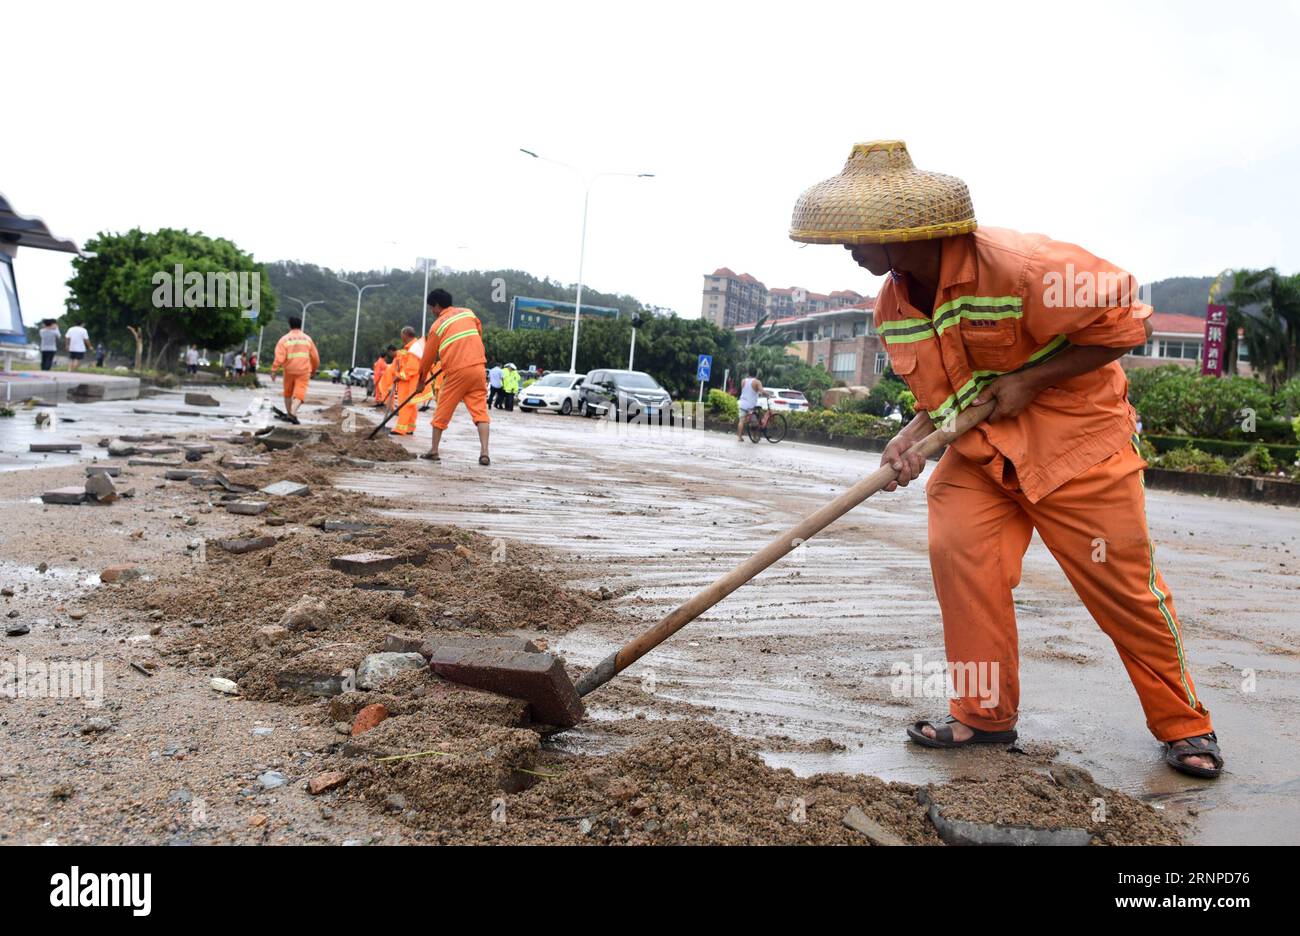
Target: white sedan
784, 400
557, 392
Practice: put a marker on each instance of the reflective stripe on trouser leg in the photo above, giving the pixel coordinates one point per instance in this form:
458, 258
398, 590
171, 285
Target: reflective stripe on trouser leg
1095, 526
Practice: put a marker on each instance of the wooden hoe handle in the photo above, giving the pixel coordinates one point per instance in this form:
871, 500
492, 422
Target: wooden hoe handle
801, 532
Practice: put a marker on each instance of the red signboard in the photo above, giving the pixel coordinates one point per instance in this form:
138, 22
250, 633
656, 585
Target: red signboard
1216, 330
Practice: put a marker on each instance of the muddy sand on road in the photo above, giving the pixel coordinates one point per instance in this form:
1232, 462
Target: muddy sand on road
166, 758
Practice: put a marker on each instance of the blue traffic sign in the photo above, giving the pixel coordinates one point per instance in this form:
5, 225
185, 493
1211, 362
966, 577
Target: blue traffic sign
704, 368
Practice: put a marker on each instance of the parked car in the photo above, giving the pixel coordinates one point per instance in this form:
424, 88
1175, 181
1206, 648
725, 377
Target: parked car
361, 376
556, 391
635, 395
784, 400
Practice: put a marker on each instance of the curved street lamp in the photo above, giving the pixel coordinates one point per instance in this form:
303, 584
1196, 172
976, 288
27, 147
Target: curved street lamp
587, 181
356, 327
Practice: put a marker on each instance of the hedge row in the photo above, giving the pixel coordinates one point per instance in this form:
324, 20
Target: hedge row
1286, 454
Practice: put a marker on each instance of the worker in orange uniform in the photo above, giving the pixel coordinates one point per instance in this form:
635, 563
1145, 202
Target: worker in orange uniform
970, 315
381, 365
455, 342
402, 379
296, 354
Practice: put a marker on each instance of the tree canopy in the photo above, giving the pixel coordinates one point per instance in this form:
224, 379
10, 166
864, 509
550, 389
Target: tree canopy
171, 287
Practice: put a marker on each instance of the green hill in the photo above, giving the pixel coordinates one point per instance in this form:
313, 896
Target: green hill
385, 311
1184, 294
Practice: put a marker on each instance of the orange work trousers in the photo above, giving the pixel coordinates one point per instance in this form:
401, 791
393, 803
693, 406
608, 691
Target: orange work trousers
465, 385
1095, 526
295, 386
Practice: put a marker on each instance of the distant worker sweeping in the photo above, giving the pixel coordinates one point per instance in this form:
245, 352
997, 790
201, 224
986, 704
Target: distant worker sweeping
296, 355
971, 315
402, 379
455, 342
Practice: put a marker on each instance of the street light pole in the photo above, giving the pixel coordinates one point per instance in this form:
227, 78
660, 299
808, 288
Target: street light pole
588, 181
304, 306
637, 322
356, 326
424, 305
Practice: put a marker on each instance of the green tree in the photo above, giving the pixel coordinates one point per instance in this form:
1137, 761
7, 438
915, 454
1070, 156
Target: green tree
1266, 306
115, 291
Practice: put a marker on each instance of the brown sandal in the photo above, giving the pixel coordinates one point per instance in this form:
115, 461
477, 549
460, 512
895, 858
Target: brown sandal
431, 456
1206, 745
484, 460
943, 735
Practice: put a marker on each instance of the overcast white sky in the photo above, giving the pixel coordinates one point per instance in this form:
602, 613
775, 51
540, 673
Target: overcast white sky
1162, 136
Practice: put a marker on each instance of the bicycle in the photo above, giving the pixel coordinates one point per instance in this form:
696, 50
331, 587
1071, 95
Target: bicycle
770, 425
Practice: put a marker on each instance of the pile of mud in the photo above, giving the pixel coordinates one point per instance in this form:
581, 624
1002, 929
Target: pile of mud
461, 766
1061, 797
447, 580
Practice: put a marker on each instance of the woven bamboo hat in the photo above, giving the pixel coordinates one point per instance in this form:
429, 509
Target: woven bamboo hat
881, 198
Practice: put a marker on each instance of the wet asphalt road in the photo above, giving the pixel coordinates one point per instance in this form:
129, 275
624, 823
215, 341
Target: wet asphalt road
806, 650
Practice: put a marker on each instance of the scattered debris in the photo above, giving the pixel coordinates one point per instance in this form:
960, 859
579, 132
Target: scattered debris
378, 668
326, 781
55, 446
229, 687
65, 495
876, 833
201, 399
286, 489
366, 563
246, 545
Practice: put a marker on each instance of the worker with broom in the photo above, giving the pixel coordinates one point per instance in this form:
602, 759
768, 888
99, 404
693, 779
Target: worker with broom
402, 378
296, 354
969, 315
377, 372
455, 344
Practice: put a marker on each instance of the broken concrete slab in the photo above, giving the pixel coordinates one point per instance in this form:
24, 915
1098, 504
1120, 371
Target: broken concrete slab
111, 470
247, 545
876, 833
120, 449
283, 437
152, 463
323, 672
65, 495
231, 486
429, 644
201, 399
242, 464
186, 474
287, 489
54, 447
198, 448
151, 437
101, 488
538, 677
122, 572
365, 563
157, 451
246, 508
345, 526
378, 668
961, 832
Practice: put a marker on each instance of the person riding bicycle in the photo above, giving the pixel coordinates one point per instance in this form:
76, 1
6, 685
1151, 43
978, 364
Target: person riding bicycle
750, 389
